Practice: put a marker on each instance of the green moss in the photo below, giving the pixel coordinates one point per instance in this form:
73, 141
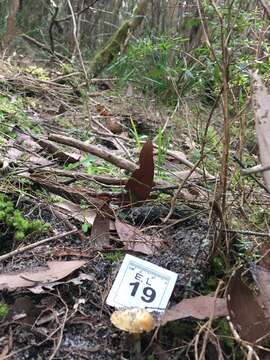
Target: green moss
114, 256
13, 224
106, 55
4, 309
37, 72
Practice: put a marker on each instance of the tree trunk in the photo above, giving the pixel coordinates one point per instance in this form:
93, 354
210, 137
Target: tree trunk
11, 23
106, 55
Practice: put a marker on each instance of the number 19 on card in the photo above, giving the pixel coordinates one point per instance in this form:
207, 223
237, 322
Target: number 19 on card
149, 293
142, 284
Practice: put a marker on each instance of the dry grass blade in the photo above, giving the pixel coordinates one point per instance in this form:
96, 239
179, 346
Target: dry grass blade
261, 105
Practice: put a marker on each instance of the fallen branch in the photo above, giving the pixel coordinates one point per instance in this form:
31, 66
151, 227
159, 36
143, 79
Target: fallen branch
242, 166
38, 243
69, 193
247, 232
94, 150
57, 153
255, 169
77, 175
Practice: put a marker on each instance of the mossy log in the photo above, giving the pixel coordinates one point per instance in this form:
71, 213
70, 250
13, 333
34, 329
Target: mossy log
106, 55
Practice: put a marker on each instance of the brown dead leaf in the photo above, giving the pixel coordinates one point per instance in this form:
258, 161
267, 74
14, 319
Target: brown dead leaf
101, 109
261, 105
54, 271
87, 215
82, 214
135, 240
262, 278
113, 125
245, 312
200, 307
39, 289
141, 181
265, 256
100, 232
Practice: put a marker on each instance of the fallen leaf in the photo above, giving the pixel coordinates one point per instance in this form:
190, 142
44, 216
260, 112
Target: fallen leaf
133, 320
54, 271
39, 289
261, 106
246, 314
135, 240
141, 182
262, 278
265, 256
100, 232
84, 215
102, 110
77, 212
200, 307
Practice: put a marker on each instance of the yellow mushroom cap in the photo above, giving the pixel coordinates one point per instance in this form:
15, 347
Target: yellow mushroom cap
134, 320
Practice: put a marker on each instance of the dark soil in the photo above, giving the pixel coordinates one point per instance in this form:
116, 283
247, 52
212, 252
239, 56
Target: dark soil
87, 331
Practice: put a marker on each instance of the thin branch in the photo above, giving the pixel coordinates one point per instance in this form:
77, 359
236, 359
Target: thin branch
255, 169
38, 243
77, 43
52, 23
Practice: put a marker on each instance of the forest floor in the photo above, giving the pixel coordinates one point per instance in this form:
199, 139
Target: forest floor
79, 194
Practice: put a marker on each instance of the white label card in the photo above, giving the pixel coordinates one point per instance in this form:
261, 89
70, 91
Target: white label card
142, 284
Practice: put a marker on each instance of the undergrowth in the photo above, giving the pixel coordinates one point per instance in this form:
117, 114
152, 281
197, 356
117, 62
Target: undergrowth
13, 224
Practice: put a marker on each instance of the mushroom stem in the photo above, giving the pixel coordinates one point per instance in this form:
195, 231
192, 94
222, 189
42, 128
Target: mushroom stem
136, 351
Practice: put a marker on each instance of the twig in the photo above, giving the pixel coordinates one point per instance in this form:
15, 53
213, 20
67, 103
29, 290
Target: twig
207, 326
246, 232
78, 13
38, 243
61, 327
44, 47
266, 7
241, 164
95, 150
82, 176
188, 163
52, 23
77, 43
255, 169
251, 352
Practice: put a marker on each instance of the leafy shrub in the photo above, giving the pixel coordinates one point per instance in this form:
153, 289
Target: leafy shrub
152, 64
